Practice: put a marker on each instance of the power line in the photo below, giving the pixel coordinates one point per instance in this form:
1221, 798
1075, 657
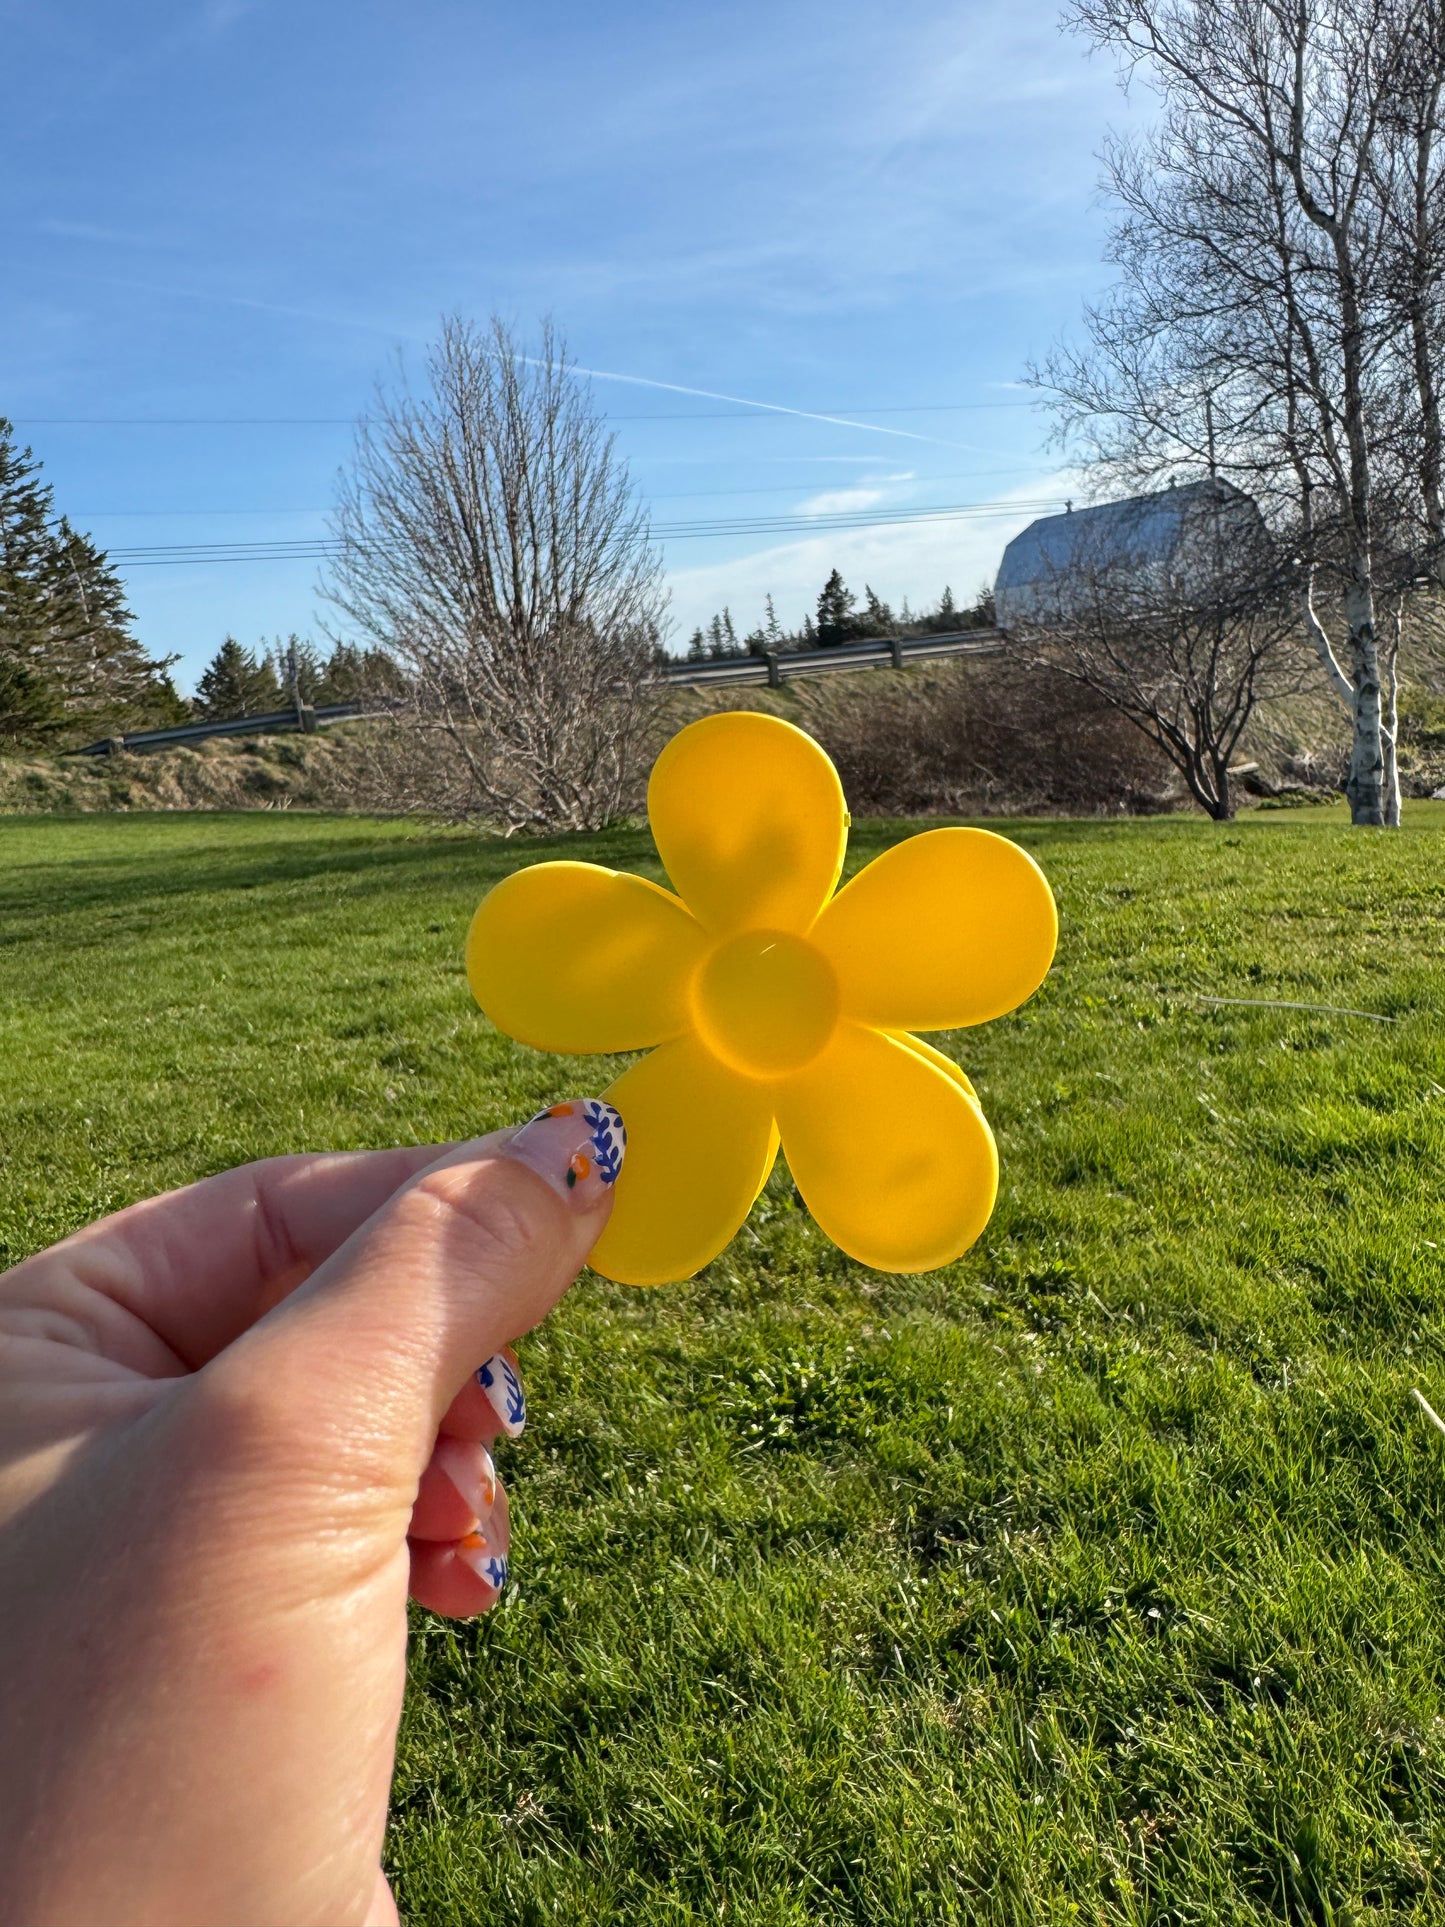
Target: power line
663, 495
173, 554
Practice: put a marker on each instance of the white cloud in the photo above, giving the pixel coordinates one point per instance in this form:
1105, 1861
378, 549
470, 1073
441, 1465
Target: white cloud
840, 501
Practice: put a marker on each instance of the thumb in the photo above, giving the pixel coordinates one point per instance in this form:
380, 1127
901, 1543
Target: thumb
468, 1255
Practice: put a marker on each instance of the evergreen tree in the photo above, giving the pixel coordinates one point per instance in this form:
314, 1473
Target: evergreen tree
237, 683
697, 646
772, 628
29, 699
877, 617
104, 674
296, 661
983, 614
69, 662
352, 675
836, 623
945, 618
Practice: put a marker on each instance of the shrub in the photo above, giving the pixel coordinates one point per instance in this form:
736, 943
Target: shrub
987, 737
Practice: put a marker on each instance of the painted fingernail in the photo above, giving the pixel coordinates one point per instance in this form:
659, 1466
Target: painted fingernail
499, 1380
476, 1484
578, 1147
474, 1551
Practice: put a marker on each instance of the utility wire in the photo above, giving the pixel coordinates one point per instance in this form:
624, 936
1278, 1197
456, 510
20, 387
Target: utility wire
312, 549
660, 495
663, 495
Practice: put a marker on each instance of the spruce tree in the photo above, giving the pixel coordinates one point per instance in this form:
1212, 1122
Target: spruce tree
295, 655
352, 675
877, 617
983, 614
70, 665
237, 683
106, 677
836, 623
30, 703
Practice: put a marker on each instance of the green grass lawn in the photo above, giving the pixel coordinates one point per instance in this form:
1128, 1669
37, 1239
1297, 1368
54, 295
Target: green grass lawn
1096, 1579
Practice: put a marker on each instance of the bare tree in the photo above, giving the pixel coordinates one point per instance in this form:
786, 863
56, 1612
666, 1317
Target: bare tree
1277, 314
489, 541
1184, 638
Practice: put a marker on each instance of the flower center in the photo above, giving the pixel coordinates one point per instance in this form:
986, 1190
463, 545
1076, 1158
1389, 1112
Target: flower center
765, 1002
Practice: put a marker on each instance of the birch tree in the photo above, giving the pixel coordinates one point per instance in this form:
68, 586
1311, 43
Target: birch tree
1277, 315
489, 543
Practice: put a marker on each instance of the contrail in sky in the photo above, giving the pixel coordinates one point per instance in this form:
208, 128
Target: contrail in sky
769, 407
595, 374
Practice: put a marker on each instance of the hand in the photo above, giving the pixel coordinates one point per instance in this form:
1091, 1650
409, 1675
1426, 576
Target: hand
236, 1423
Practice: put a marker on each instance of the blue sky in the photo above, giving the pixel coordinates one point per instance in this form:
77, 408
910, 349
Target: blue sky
223, 217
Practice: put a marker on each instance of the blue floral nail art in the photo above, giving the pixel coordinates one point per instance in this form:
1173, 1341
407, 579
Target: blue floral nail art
609, 1138
601, 1153
503, 1387
494, 1571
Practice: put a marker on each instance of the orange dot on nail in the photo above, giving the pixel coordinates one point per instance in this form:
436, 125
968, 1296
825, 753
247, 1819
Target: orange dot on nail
560, 1110
474, 1542
580, 1165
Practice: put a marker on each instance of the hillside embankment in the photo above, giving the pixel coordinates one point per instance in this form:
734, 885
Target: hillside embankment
983, 738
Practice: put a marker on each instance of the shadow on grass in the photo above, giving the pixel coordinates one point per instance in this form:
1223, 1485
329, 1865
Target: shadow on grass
34, 897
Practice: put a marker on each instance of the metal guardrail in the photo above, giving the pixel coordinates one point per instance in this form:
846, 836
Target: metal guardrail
888, 652
772, 670
275, 722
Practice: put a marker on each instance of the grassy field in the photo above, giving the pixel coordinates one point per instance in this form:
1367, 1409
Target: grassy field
1098, 1579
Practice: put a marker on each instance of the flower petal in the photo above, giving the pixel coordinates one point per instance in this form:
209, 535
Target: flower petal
892, 1156
748, 816
700, 1144
948, 928
937, 1058
572, 957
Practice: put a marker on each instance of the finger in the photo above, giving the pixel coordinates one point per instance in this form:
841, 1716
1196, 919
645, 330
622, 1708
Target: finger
492, 1403
383, 1336
443, 1581
459, 1493
194, 1268
382, 1911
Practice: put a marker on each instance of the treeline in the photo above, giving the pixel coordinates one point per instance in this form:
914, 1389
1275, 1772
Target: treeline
840, 619
246, 682
70, 664
71, 667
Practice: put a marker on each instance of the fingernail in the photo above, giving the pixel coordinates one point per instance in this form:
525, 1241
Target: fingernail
498, 1379
474, 1551
577, 1147
476, 1485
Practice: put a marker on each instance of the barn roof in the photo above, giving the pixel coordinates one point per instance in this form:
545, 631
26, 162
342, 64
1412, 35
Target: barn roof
1144, 528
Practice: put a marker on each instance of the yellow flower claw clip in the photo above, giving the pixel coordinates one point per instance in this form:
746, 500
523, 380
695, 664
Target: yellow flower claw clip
771, 1008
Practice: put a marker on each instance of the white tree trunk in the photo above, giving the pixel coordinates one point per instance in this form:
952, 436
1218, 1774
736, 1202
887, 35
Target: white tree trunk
1391, 728
1365, 785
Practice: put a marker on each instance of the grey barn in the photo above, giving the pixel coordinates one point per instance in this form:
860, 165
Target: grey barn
1057, 557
